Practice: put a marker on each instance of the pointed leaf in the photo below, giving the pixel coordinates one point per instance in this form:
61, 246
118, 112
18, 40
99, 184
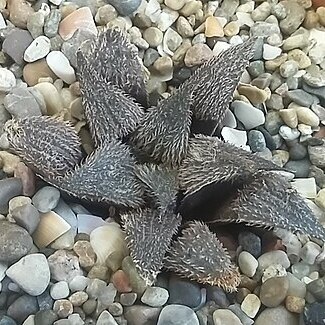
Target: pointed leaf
109, 111
148, 236
214, 83
198, 255
107, 175
164, 132
111, 57
161, 183
50, 146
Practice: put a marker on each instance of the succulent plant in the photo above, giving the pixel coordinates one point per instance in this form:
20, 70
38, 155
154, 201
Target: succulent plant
163, 165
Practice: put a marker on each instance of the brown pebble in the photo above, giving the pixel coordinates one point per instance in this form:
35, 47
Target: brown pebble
271, 243
197, 54
85, 252
213, 27
78, 298
63, 308
36, 70
295, 304
99, 272
27, 178
121, 281
318, 3
246, 282
19, 11
311, 19
321, 15
274, 291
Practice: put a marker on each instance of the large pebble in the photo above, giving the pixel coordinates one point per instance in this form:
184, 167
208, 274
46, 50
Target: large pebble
46, 199
295, 16
38, 271
64, 266
197, 54
247, 263
273, 291
225, 316
15, 242
26, 216
21, 103
155, 296
273, 257
22, 307
256, 141
32, 72
139, 315
317, 155
307, 116
7, 80
270, 52
9, 188
251, 305
19, 11
59, 290
250, 116
38, 49
277, 315
177, 315
60, 65
288, 134
82, 19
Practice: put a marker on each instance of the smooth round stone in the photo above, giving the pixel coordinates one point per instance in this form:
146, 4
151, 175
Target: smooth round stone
79, 298
300, 57
250, 243
184, 28
314, 314
139, 314
63, 308
289, 117
288, 134
273, 291
295, 16
6, 320
32, 72
247, 263
155, 296
47, 317
177, 315
184, 292
46, 199
225, 316
22, 307
37, 268
7, 80
289, 68
116, 309
307, 116
234, 136
217, 295
256, 68
197, 54
26, 216
299, 167
250, 116
251, 305
309, 252
128, 299
272, 258
298, 152
153, 36
52, 21
255, 95
60, 65
78, 283
16, 43
295, 304
277, 315
317, 155
256, 141
38, 49
59, 290
35, 24
213, 27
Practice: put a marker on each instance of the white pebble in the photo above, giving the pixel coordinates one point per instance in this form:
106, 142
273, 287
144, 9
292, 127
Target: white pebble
220, 47
306, 187
7, 80
60, 65
38, 49
247, 263
234, 136
251, 305
59, 290
270, 52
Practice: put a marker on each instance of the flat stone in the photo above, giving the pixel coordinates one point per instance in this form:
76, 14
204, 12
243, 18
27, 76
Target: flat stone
277, 315
26, 216
225, 316
317, 155
38, 49
177, 315
155, 296
271, 52
105, 318
46, 199
37, 268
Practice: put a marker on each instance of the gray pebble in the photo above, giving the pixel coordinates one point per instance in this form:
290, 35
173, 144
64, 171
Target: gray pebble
298, 152
275, 102
301, 97
125, 7
46, 199
22, 307
289, 68
256, 141
26, 216
139, 314
128, 299
155, 296
45, 317
59, 290
299, 167
288, 134
35, 23
177, 315
116, 309
9, 188
16, 43
273, 122
264, 29
317, 155
51, 24
6, 320
21, 103
295, 16
262, 81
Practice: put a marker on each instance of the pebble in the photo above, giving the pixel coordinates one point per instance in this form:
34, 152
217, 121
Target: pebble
306, 187
184, 28
177, 315
35, 24
139, 314
32, 72
22, 307
184, 292
317, 155
86, 254
78, 283
46, 199
26, 216
310, 251
250, 243
19, 11
197, 54
21, 103
78, 298
294, 18
63, 308
247, 263
128, 299
105, 318
7, 80
270, 52
45, 317
273, 291
254, 94
16, 43
298, 152
288, 134
59, 290
82, 19
155, 296
314, 313
37, 268
289, 68
295, 304
256, 141
272, 258
296, 287
64, 266
250, 116
38, 49
251, 305
234, 136
225, 316
307, 116
277, 315
60, 65
213, 27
